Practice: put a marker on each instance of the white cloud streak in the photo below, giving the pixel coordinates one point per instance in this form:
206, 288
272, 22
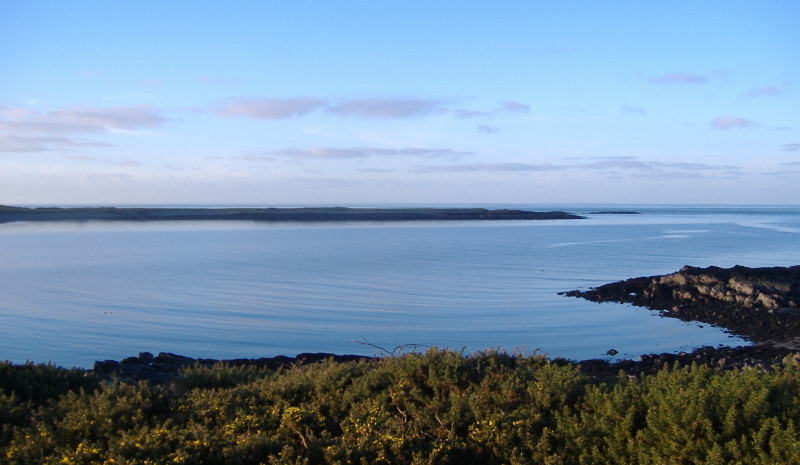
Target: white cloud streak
267, 108
24, 130
514, 107
766, 91
464, 113
79, 120
487, 167
633, 110
606, 164
387, 108
365, 108
336, 153
23, 144
731, 122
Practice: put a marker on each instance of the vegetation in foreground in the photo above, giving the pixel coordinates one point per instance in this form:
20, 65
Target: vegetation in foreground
437, 407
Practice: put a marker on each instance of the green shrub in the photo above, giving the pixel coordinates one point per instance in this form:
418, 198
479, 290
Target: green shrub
41, 382
436, 407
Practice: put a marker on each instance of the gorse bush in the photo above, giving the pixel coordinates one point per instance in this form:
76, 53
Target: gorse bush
436, 407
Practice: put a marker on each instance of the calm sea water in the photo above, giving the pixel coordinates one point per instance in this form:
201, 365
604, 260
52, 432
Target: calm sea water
73, 293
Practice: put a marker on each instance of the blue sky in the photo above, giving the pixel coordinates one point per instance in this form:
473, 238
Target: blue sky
325, 102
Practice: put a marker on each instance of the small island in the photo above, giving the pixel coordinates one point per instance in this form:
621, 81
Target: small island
306, 214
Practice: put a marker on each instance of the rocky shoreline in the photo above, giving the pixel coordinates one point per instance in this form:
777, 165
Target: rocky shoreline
162, 368
307, 214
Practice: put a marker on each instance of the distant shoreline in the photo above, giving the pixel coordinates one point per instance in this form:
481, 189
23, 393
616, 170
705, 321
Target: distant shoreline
615, 212
310, 214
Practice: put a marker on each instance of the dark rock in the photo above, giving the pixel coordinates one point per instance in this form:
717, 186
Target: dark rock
105, 366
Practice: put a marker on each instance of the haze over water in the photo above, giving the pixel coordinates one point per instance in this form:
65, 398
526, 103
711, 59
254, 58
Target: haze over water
74, 293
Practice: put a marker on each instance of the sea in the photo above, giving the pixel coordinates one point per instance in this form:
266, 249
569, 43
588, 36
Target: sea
73, 293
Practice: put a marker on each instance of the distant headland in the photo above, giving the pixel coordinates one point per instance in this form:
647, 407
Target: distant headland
305, 214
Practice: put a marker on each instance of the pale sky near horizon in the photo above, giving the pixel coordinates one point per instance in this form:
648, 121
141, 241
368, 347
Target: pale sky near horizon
355, 102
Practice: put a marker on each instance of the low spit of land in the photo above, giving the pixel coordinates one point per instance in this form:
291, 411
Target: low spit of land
307, 214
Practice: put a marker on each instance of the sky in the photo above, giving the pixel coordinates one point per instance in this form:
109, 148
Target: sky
399, 102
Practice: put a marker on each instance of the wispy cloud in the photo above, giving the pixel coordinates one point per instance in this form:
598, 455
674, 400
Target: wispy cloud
506, 106
364, 108
337, 153
135, 117
464, 113
486, 129
791, 147
488, 167
267, 108
635, 164
603, 164
730, 122
514, 107
633, 110
24, 130
677, 78
22, 144
128, 163
80, 120
386, 108
766, 91
369, 108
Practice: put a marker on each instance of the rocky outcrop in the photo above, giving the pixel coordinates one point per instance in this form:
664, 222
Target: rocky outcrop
760, 304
